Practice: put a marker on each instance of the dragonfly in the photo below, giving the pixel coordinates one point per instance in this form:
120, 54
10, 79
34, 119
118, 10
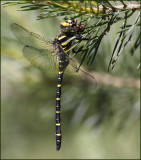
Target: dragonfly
49, 55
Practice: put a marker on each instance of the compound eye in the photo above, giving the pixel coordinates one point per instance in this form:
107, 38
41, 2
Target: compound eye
75, 28
82, 28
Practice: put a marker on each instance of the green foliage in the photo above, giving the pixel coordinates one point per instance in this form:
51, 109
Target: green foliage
102, 14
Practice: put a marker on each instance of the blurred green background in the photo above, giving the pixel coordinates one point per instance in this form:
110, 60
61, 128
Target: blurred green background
101, 123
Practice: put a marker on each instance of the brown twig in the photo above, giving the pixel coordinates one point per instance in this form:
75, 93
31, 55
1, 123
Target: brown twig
119, 7
107, 79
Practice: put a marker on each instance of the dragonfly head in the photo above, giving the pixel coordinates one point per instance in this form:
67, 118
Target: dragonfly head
72, 26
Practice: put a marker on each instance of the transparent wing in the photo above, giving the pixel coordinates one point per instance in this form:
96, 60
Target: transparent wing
86, 79
37, 49
78, 78
40, 58
29, 38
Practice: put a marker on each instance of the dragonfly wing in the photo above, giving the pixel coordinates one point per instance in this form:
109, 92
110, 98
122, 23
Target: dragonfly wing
87, 79
79, 77
40, 58
29, 38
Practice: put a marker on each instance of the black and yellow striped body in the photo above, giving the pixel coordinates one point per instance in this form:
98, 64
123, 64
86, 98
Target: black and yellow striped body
62, 43
58, 105
62, 53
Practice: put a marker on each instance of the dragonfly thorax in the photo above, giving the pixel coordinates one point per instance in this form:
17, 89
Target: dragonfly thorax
62, 43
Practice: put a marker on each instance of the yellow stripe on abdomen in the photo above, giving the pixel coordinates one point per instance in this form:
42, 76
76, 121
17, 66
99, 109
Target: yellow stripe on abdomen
58, 85
58, 124
61, 72
59, 134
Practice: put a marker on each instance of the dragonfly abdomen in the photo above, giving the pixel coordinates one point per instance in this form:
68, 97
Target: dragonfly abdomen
63, 62
58, 107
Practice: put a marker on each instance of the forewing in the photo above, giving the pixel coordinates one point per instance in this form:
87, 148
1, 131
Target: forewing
29, 38
40, 58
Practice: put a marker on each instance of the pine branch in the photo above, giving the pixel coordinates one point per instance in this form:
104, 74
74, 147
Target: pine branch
114, 81
84, 7
108, 14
